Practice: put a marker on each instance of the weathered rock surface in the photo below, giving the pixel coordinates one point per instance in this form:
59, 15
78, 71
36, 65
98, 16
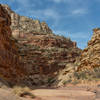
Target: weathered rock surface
90, 57
88, 66
46, 55
11, 67
21, 25
43, 52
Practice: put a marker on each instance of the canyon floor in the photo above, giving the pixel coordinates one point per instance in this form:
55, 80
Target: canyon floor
82, 92
66, 93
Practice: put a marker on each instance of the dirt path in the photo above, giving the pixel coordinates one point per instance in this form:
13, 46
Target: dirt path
66, 94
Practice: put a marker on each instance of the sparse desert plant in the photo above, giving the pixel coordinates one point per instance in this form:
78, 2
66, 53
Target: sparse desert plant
23, 91
75, 82
66, 81
80, 75
88, 75
76, 75
97, 73
51, 80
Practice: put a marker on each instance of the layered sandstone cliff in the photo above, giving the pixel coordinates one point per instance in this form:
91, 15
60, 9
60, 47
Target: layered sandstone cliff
90, 57
11, 67
44, 52
21, 25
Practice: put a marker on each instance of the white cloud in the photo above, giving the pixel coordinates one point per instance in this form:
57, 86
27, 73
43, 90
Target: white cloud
39, 13
79, 11
63, 1
51, 13
44, 14
67, 1
25, 3
58, 1
77, 7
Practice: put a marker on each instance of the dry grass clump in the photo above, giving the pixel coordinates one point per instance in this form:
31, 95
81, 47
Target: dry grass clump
23, 92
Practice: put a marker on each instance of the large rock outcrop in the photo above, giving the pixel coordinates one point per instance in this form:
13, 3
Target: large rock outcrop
87, 68
22, 24
47, 53
43, 52
90, 57
11, 67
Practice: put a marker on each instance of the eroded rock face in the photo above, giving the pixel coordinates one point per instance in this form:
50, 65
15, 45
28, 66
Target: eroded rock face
43, 52
46, 54
22, 24
11, 67
90, 57
87, 68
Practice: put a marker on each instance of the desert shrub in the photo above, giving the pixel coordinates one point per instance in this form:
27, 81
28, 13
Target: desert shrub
22, 91
51, 80
88, 74
66, 81
75, 82
95, 74
27, 93
80, 75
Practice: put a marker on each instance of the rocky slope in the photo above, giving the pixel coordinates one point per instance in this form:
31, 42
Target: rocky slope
90, 57
43, 52
88, 66
11, 67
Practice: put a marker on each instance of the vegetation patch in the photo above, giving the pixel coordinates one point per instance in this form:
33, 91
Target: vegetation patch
23, 92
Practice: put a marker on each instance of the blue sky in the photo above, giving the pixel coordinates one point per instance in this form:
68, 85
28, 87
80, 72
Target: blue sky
71, 18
